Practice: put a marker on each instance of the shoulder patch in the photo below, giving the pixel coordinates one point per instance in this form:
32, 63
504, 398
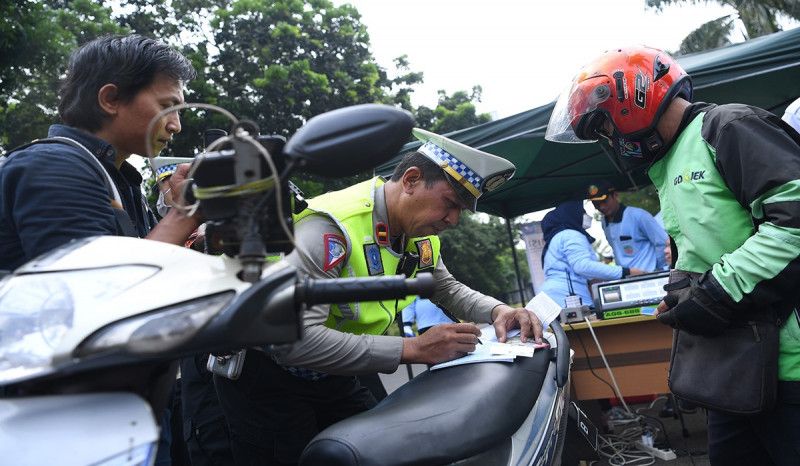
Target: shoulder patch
425, 253
335, 251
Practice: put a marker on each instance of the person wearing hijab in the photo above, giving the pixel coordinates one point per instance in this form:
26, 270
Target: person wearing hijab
568, 260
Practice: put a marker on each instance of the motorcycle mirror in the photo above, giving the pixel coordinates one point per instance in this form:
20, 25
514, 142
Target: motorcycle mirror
350, 140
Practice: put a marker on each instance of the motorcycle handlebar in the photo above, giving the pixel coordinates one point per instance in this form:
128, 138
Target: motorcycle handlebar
319, 291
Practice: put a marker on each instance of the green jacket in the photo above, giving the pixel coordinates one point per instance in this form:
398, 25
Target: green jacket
729, 188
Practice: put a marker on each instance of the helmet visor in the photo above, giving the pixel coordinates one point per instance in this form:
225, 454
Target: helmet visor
574, 108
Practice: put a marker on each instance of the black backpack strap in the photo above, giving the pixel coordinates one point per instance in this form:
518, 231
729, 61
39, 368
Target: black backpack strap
124, 226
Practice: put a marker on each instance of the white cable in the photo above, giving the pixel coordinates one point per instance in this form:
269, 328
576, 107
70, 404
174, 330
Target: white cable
187, 211
241, 134
619, 450
279, 199
602, 355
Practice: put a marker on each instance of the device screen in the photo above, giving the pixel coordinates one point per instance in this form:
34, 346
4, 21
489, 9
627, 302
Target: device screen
632, 293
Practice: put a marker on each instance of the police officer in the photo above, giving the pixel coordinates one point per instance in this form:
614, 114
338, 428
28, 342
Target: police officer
377, 227
636, 238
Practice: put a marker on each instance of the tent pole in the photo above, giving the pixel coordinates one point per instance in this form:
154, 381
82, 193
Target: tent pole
516, 263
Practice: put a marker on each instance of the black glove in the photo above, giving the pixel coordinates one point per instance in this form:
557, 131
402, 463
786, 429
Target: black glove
698, 306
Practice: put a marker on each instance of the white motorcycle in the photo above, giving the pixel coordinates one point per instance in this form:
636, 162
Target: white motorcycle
92, 332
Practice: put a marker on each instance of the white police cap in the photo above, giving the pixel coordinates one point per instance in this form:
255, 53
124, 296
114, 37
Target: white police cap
165, 166
476, 172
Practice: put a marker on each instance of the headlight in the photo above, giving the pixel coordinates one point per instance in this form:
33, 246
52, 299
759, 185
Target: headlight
158, 331
37, 311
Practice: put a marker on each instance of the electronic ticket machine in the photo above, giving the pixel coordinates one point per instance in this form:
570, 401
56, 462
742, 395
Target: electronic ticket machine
638, 294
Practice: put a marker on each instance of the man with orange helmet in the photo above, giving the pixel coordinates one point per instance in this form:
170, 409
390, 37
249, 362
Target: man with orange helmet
727, 179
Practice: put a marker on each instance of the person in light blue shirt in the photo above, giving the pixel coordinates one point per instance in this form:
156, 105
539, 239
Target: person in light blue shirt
636, 238
569, 262
425, 313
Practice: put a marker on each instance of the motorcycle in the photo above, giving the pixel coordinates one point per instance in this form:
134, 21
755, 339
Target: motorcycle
91, 333
487, 413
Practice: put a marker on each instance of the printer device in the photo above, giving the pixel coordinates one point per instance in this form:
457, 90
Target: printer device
628, 296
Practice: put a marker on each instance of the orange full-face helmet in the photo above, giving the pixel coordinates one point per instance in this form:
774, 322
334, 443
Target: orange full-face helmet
631, 87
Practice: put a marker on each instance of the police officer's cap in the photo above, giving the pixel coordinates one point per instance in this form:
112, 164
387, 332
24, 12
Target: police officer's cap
470, 171
165, 166
599, 191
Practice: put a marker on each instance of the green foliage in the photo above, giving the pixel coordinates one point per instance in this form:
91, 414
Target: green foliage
645, 198
404, 83
478, 254
452, 113
713, 34
277, 63
313, 52
36, 38
759, 17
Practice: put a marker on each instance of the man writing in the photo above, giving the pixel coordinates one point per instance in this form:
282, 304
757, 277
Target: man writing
373, 228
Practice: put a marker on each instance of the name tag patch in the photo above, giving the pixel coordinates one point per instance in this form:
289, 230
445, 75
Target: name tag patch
372, 254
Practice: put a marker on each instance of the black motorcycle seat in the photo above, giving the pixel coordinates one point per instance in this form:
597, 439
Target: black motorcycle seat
438, 417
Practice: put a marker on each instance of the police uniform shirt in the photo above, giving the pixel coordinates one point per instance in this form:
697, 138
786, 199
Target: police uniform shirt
328, 350
637, 239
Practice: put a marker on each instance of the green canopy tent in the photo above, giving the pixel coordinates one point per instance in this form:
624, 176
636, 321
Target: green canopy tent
764, 72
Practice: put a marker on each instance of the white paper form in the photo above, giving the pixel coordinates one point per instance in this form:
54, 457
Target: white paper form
493, 351
545, 308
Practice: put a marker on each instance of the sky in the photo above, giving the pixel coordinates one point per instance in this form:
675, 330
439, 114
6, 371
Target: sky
521, 52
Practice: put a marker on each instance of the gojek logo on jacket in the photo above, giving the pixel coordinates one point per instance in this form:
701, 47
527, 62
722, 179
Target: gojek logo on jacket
689, 175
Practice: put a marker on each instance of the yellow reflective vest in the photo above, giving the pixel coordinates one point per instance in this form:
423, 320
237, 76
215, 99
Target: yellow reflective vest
367, 254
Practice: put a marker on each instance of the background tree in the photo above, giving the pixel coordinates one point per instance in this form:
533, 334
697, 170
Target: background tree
404, 82
277, 63
757, 17
36, 38
452, 113
645, 198
477, 252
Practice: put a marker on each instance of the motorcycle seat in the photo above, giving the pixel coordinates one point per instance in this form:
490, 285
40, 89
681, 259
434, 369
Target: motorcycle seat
438, 417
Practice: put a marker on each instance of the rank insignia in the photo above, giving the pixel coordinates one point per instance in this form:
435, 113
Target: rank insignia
335, 251
372, 254
425, 253
382, 233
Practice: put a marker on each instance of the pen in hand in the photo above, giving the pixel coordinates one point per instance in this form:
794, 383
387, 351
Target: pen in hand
450, 316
